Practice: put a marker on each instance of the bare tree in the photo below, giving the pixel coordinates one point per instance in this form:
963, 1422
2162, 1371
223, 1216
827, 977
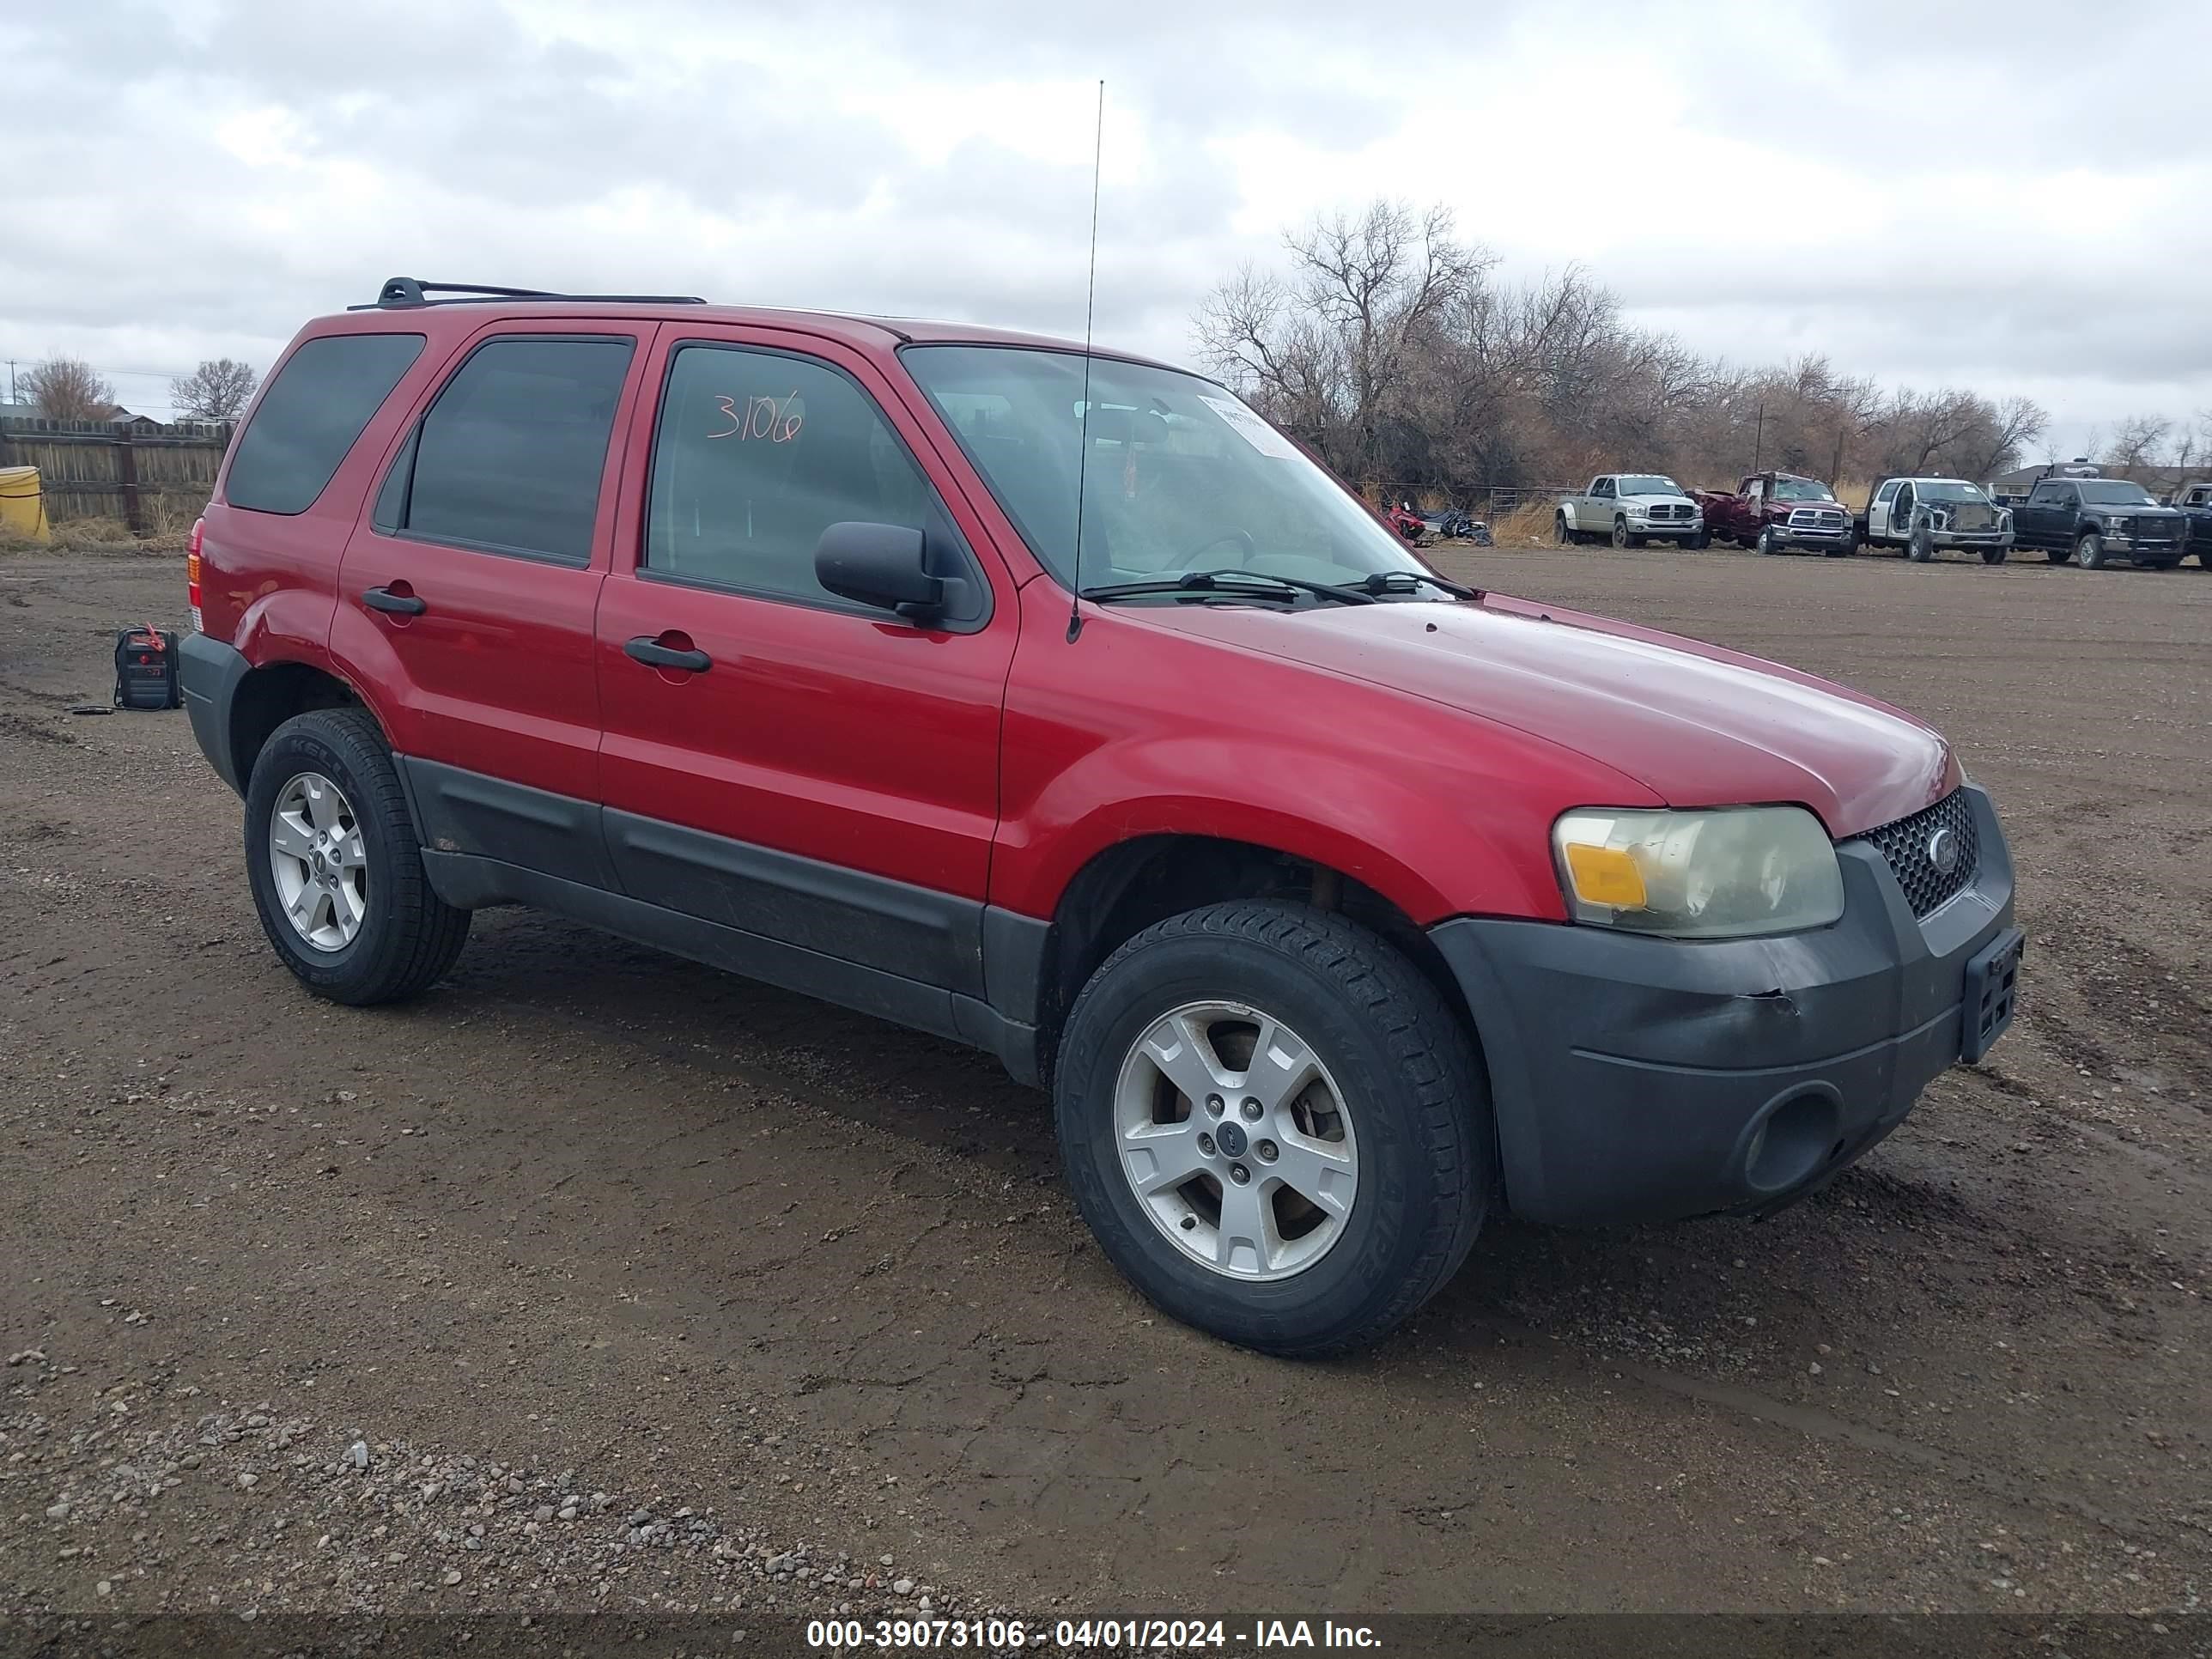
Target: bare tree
2136, 439
2019, 423
1329, 349
67, 389
218, 390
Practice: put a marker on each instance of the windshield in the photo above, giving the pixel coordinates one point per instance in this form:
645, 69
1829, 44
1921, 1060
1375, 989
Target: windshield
1799, 489
1180, 476
2114, 492
1648, 483
1948, 492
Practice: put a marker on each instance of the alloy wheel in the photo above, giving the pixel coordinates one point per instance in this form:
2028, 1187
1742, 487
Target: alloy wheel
319, 861
1236, 1140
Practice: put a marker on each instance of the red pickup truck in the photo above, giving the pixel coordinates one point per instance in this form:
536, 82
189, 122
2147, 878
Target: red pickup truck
1335, 903
1775, 512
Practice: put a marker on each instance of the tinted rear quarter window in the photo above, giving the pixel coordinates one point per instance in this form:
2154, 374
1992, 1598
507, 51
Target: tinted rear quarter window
310, 416
509, 457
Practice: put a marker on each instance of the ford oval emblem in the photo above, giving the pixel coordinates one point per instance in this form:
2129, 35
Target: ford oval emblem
1943, 851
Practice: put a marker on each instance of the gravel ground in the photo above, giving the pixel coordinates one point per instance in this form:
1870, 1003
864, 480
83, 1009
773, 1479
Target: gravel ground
599, 1280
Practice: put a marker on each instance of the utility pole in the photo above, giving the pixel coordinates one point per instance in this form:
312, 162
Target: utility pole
1759, 436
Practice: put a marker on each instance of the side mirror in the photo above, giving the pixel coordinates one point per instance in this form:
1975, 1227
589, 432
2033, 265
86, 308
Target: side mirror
883, 565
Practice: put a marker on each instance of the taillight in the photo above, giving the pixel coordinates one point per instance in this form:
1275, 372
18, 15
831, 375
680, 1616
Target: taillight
193, 572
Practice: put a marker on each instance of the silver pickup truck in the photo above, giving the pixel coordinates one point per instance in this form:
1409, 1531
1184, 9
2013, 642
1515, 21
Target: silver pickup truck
1629, 509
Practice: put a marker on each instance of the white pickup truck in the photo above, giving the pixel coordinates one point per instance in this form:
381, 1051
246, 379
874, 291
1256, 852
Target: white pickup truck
1629, 509
1925, 515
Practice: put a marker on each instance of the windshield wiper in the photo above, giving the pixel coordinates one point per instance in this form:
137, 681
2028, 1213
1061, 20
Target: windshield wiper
1248, 583
1383, 581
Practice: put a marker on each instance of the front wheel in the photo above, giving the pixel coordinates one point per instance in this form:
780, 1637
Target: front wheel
1275, 1125
2089, 551
1766, 543
1921, 547
1620, 536
334, 867
1993, 555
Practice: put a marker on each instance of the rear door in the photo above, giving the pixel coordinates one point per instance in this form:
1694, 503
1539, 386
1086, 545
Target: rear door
823, 777
467, 600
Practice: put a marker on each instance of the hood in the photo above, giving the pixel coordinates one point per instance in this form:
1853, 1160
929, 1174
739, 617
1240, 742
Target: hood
1695, 725
1651, 500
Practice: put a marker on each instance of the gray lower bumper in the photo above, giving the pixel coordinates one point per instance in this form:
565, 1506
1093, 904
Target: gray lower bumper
1646, 1079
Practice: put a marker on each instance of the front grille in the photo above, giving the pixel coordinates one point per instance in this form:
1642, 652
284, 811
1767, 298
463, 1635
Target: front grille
1667, 510
1817, 518
1904, 846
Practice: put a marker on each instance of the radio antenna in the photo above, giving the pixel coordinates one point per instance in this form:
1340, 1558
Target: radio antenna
1083, 439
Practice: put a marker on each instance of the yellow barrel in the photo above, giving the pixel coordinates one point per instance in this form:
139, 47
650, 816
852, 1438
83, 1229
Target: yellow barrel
22, 504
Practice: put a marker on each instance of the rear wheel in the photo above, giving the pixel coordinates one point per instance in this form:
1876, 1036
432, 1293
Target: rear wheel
2089, 551
1275, 1125
1993, 555
336, 869
1560, 532
1704, 538
2058, 554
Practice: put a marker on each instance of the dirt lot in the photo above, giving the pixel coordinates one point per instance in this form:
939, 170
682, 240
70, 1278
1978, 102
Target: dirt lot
600, 1280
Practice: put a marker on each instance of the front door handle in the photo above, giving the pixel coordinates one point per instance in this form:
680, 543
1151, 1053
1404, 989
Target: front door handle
399, 603
653, 654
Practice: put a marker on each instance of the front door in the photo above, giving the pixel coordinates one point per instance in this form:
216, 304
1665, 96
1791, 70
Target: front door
466, 599
1878, 511
776, 759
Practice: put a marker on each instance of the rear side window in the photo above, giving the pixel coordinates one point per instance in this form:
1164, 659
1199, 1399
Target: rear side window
311, 414
510, 456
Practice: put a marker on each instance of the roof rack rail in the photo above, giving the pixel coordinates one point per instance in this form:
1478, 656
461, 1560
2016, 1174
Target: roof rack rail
405, 293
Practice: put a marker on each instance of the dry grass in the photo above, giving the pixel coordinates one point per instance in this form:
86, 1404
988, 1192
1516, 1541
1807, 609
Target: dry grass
169, 515
1527, 526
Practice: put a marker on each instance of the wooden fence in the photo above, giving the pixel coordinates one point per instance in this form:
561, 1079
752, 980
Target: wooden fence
154, 478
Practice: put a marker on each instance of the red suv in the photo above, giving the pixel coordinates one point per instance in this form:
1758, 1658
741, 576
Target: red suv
1056, 703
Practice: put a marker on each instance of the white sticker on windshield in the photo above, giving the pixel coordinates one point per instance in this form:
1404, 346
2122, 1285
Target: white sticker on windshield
1251, 428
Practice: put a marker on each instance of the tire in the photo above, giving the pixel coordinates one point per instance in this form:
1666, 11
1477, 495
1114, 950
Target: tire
1702, 540
1765, 542
1620, 536
1920, 547
1415, 1116
1565, 537
1839, 551
2058, 555
405, 936
2089, 551
1993, 555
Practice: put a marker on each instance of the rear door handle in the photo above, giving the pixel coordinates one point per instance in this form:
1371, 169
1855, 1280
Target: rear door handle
653, 654
403, 604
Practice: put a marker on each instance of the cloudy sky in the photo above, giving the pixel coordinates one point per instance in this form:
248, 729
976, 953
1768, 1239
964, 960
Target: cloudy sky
2008, 195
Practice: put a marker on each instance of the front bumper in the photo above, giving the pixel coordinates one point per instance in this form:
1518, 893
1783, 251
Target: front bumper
1809, 536
1646, 1080
1965, 538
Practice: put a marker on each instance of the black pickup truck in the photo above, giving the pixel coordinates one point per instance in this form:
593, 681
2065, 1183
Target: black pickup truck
2195, 499
2094, 520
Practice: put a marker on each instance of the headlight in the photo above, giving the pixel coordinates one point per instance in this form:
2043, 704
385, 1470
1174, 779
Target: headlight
1720, 874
